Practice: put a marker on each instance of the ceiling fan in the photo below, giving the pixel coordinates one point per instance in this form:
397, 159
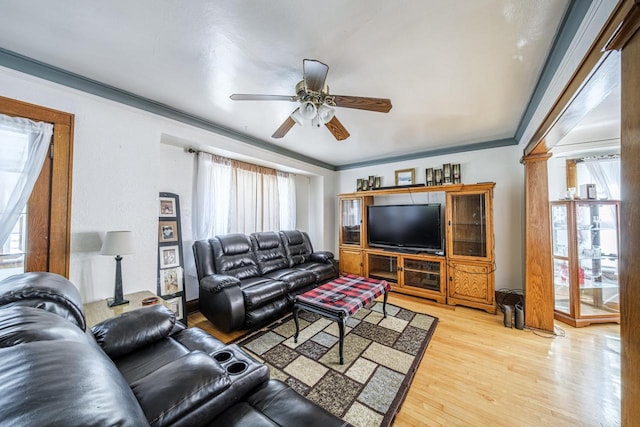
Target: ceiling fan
316, 104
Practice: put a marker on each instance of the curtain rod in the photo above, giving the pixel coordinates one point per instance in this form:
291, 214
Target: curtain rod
240, 163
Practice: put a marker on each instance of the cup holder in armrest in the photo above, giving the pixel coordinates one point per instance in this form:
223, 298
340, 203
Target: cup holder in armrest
222, 356
236, 368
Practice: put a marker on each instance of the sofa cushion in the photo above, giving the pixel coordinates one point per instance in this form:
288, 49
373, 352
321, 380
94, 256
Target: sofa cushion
321, 271
136, 365
169, 395
297, 248
258, 291
234, 256
47, 291
20, 324
294, 278
58, 375
277, 404
269, 311
197, 339
134, 329
269, 251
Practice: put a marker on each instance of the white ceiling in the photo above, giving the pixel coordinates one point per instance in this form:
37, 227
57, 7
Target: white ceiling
457, 72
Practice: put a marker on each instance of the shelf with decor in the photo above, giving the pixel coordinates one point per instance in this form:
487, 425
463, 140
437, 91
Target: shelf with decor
461, 274
585, 242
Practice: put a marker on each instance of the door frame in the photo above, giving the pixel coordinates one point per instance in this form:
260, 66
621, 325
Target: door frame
49, 219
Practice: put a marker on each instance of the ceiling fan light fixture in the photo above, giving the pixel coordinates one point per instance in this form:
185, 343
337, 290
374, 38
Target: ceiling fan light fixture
297, 117
325, 114
308, 110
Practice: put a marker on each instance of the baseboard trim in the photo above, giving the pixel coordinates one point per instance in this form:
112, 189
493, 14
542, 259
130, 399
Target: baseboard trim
193, 306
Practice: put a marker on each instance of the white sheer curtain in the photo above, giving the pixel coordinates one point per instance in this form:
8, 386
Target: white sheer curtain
234, 196
254, 205
605, 173
287, 200
24, 144
214, 179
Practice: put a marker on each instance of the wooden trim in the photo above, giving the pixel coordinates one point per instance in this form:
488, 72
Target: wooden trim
538, 262
422, 189
192, 306
572, 173
626, 29
50, 202
581, 75
630, 232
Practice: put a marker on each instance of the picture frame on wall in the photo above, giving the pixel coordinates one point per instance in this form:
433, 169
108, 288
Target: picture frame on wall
406, 176
167, 207
167, 231
175, 304
169, 256
171, 281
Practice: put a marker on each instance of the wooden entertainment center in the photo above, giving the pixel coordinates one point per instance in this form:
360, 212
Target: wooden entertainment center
463, 275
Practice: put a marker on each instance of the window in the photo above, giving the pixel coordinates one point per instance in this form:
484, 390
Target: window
239, 197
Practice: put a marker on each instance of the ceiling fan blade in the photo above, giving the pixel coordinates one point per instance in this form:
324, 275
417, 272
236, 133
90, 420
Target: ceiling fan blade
380, 105
336, 128
253, 97
315, 73
284, 128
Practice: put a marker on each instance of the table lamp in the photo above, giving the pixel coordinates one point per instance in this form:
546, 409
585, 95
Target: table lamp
117, 243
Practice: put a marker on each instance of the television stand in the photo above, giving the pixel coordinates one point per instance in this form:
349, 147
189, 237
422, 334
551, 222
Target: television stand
409, 272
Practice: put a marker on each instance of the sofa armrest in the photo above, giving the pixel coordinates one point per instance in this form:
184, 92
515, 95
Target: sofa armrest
129, 331
217, 282
322, 256
180, 392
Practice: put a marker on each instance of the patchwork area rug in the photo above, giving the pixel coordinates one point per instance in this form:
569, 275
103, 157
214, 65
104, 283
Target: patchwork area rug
380, 359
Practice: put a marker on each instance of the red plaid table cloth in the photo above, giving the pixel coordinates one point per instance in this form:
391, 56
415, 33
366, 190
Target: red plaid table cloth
347, 293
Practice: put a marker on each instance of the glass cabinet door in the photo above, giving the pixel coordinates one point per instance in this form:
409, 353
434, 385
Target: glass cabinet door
351, 221
468, 225
383, 267
422, 274
597, 253
561, 270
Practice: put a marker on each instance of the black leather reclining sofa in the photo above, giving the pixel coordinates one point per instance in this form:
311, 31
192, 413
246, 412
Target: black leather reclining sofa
246, 280
137, 369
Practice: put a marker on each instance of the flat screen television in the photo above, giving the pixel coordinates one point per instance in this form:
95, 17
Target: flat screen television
415, 227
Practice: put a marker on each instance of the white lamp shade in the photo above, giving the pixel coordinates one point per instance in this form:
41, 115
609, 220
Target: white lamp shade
297, 117
325, 114
308, 110
117, 243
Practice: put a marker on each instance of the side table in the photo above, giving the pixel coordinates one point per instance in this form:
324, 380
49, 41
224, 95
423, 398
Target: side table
96, 312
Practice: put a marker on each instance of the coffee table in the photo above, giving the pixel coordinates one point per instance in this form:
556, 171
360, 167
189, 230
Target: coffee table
339, 299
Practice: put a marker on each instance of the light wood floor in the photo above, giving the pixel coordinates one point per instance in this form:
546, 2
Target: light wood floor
477, 372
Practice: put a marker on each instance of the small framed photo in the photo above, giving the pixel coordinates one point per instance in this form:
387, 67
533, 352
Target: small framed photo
167, 207
168, 231
175, 304
406, 177
169, 256
170, 281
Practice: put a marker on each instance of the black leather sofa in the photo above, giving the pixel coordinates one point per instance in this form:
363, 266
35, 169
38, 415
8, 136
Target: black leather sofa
139, 368
247, 280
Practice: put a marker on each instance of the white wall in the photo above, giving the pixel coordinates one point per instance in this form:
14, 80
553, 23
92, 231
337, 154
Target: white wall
499, 165
120, 166
557, 176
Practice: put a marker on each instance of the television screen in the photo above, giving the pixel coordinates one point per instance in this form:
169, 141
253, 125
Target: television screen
416, 227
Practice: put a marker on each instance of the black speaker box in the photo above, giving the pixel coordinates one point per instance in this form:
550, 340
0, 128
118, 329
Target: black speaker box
508, 316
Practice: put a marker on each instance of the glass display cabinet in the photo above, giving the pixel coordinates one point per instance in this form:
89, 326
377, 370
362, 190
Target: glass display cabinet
585, 236
352, 234
470, 258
